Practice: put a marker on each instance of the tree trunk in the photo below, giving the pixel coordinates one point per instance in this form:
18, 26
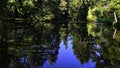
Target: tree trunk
115, 31
83, 12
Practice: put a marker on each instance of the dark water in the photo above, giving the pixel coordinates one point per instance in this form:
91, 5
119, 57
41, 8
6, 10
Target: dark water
75, 45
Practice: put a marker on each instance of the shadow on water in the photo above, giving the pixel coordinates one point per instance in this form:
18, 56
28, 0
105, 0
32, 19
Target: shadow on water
59, 45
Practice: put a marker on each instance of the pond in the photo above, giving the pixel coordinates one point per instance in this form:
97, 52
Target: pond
56, 45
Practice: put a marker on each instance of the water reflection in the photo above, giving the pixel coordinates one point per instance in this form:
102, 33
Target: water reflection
59, 45
36, 54
67, 58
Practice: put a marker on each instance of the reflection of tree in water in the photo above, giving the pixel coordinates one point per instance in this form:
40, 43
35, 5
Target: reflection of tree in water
109, 47
100, 47
33, 45
38, 56
80, 43
40, 40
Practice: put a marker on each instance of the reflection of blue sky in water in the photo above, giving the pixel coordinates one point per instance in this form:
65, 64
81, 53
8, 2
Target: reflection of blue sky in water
67, 59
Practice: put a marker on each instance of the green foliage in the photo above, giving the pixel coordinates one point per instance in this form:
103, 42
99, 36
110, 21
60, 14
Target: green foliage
103, 11
117, 37
107, 21
91, 15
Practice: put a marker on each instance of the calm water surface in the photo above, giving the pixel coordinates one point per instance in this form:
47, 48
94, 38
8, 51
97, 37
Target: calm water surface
67, 58
73, 45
